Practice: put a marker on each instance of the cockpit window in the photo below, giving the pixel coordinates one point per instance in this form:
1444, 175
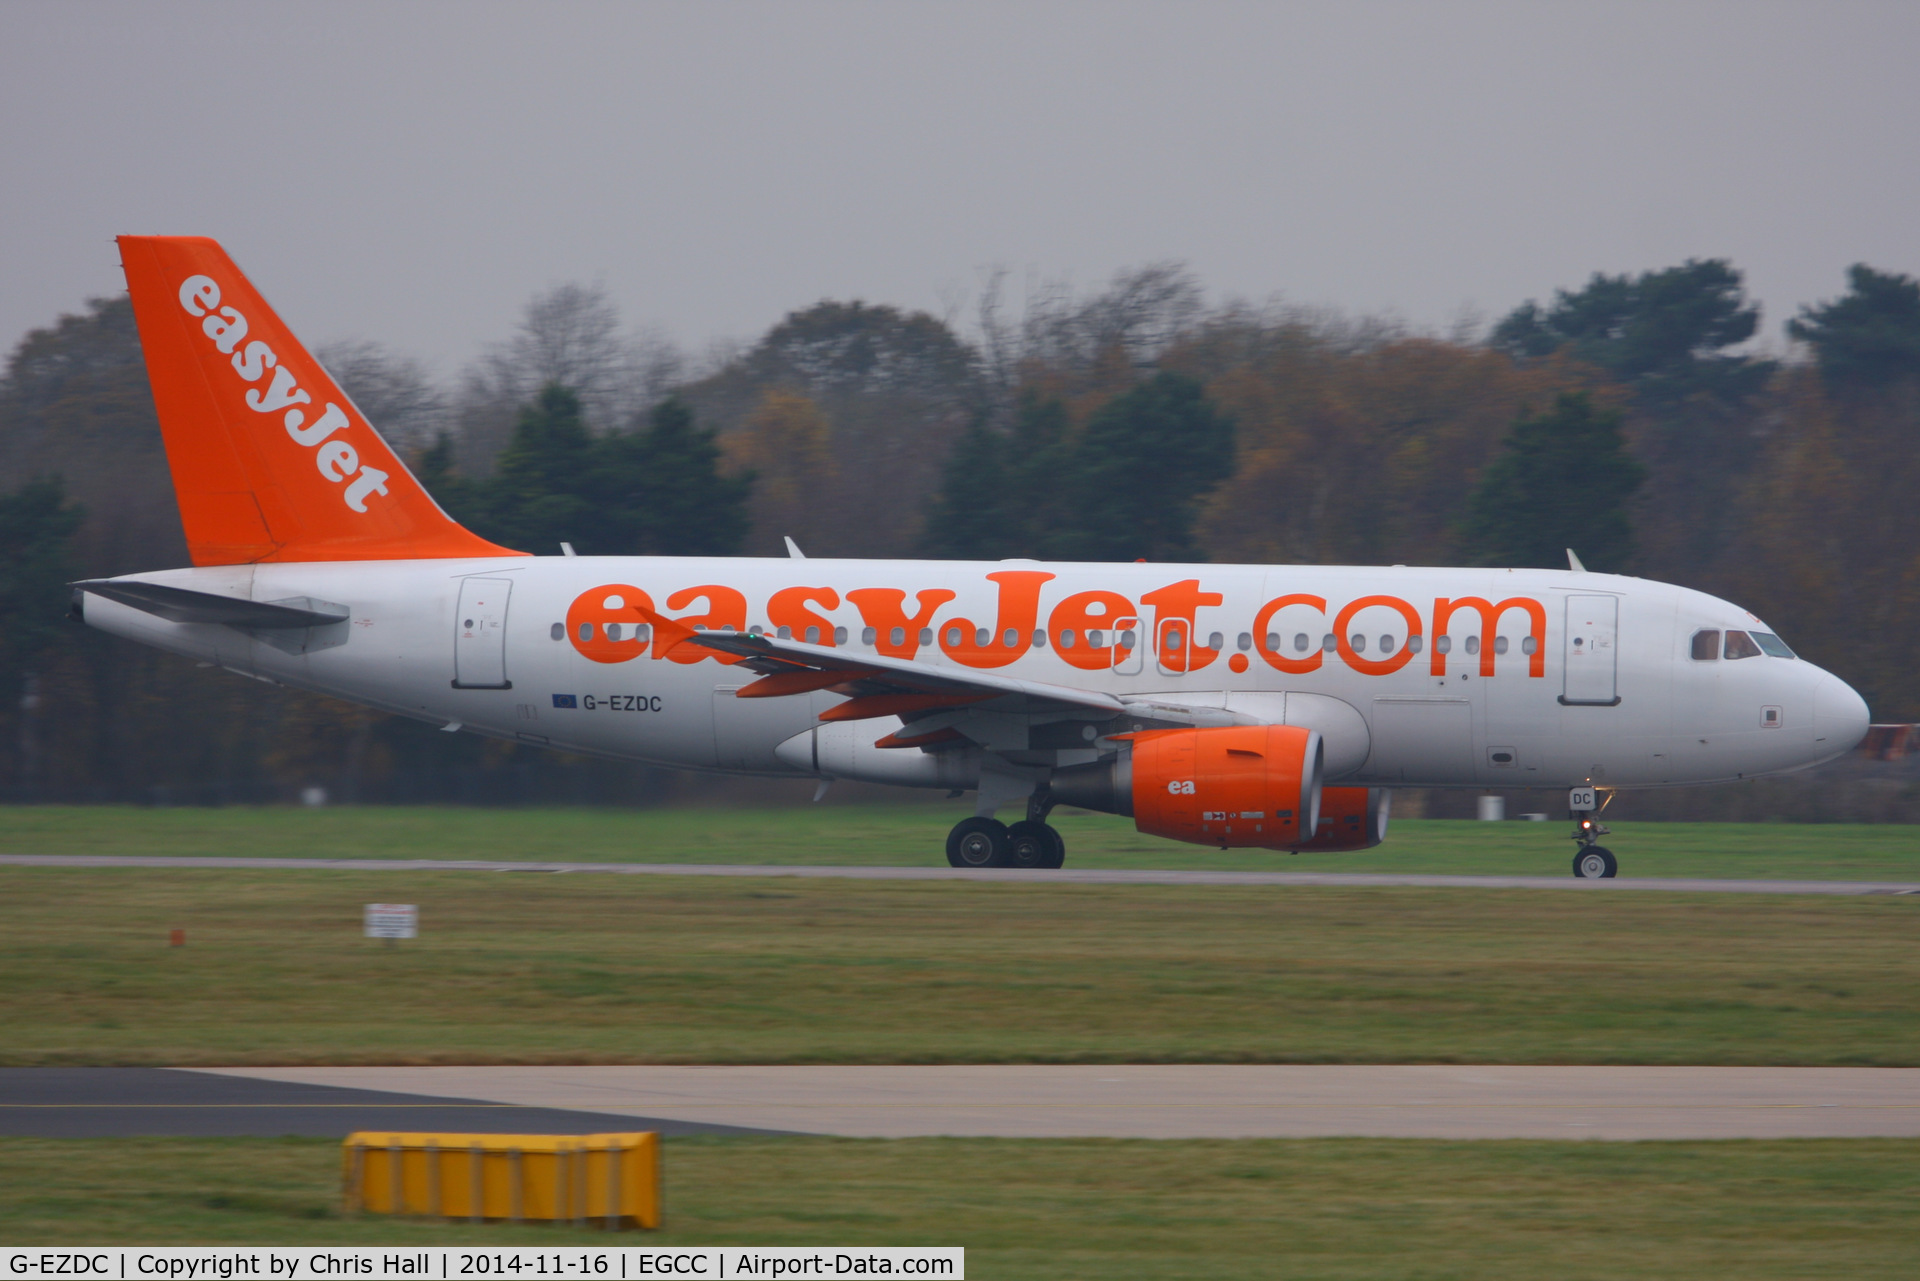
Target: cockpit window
1740, 645
1706, 644
1772, 645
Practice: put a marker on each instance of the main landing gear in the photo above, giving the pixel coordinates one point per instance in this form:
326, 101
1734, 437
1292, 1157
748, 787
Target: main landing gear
987, 842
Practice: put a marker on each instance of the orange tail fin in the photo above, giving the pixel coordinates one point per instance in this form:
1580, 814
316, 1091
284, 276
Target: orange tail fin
271, 462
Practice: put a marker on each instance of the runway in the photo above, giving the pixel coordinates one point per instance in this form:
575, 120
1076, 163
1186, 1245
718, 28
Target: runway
1064, 876
88, 1102
1197, 1101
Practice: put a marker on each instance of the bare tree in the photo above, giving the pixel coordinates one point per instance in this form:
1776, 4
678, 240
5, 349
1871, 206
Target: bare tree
394, 392
570, 335
1140, 313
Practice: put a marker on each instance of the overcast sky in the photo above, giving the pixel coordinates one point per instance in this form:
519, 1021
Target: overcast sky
412, 173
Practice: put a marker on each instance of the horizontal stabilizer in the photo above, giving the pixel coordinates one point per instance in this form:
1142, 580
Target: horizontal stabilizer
180, 605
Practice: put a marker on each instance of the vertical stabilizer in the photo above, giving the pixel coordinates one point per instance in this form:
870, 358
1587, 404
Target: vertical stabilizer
270, 461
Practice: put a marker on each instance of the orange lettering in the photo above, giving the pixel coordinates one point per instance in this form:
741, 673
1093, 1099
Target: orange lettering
881, 608
726, 607
598, 609
1083, 613
788, 608
1444, 610
1375, 666
1177, 604
1264, 619
1019, 610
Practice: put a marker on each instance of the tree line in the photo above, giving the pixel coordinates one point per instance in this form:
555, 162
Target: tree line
1633, 418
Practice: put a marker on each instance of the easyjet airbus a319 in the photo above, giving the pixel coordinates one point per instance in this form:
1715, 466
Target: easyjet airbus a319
1239, 706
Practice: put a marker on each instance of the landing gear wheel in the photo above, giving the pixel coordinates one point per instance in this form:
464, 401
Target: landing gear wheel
1035, 844
979, 842
1595, 863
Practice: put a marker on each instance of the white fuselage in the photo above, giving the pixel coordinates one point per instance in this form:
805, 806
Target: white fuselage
1591, 674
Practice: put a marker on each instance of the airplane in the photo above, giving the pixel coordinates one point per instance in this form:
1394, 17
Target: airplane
1266, 707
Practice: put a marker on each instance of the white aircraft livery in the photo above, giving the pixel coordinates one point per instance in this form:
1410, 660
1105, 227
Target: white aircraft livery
1239, 706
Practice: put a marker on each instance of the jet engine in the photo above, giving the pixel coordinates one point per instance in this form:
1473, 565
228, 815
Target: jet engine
1244, 786
1351, 818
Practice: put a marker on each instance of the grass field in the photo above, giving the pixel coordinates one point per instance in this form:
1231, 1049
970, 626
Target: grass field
916, 835
1327, 1208
542, 968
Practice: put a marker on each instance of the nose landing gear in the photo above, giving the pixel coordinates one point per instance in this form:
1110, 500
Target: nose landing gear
1592, 861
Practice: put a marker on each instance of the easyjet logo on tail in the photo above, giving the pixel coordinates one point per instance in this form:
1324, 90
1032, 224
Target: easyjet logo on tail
337, 460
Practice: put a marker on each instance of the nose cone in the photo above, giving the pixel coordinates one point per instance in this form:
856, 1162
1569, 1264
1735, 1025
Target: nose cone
1839, 716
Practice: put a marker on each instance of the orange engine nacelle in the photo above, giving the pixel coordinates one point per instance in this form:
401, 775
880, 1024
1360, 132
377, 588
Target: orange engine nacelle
1351, 818
1247, 786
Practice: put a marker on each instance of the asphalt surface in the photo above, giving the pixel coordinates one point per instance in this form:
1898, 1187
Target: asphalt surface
1064, 876
1223, 1101
102, 1102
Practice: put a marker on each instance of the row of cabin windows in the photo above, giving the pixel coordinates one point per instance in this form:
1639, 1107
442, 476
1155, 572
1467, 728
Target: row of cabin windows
1705, 644
1708, 645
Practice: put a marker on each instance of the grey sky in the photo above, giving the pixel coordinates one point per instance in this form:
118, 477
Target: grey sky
413, 172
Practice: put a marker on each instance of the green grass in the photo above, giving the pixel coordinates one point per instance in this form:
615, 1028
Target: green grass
543, 968
914, 835
1315, 1208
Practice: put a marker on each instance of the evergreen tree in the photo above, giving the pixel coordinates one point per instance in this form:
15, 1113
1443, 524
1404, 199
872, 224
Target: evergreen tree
1002, 495
654, 490
438, 472
968, 520
37, 525
1665, 333
1870, 337
1135, 481
1561, 481
662, 493
540, 494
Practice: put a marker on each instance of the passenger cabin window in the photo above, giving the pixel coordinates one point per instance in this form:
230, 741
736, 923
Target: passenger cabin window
1772, 645
1740, 645
1706, 645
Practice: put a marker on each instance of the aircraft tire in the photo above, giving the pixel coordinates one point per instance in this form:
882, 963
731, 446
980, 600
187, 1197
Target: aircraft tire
1034, 844
1058, 857
979, 842
1595, 863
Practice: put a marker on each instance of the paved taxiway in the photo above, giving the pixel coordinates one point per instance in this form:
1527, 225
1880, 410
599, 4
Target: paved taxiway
90, 1102
1198, 1100
1065, 876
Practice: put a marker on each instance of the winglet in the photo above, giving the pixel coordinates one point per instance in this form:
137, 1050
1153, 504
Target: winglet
1573, 562
793, 548
270, 460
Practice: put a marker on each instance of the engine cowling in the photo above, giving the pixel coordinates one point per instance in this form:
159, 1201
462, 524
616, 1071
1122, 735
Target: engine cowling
1351, 818
1237, 786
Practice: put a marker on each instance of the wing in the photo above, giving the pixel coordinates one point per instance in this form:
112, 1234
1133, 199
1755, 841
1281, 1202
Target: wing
877, 686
